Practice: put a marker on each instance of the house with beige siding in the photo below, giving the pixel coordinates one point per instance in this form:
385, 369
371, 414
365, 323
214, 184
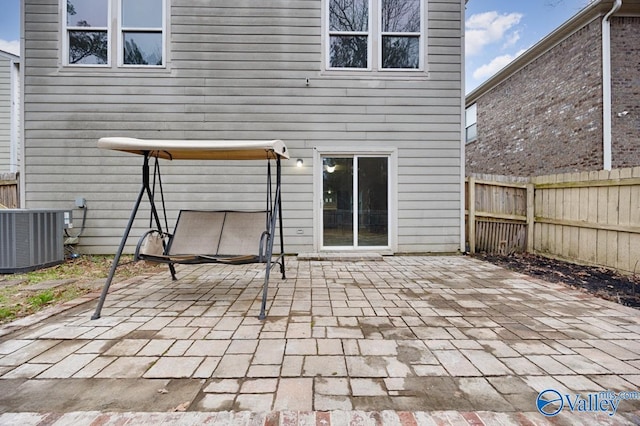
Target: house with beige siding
571, 103
367, 94
9, 111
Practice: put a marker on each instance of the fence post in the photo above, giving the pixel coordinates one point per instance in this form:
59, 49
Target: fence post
530, 216
472, 214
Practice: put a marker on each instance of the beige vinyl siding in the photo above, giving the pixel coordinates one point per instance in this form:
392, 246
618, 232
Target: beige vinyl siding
239, 70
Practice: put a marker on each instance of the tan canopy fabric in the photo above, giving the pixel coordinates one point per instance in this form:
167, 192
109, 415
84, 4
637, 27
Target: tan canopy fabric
197, 149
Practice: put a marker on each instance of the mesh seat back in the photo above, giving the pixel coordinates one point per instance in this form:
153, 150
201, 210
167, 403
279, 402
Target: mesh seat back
241, 233
197, 232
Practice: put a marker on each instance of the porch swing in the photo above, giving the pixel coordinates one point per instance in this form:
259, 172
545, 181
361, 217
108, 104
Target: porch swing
204, 236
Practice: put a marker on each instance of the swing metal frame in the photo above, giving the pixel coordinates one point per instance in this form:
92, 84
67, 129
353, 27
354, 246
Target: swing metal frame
273, 150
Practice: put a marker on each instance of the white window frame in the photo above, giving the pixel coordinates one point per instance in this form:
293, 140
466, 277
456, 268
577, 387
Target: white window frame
65, 37
470, 120
122, 30
374, 42
392, 200
381, 34
115, 39
349, 33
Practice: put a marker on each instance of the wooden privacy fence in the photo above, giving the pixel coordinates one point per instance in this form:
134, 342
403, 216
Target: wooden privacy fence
589, 217
9, 191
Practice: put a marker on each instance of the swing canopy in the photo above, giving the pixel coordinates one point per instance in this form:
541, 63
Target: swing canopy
197, 149
230, 237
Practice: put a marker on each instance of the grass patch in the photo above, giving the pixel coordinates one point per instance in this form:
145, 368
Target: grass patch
17, 301
41, 299
6, 314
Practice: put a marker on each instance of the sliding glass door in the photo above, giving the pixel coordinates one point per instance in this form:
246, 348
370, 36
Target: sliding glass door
355, 201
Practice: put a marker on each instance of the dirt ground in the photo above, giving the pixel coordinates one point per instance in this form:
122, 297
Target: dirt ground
27, 293
604, 283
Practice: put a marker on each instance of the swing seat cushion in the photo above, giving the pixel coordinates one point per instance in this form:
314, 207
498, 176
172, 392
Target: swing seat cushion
214, 236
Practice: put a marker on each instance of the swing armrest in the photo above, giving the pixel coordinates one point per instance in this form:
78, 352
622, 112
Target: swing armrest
264, 239
151, 243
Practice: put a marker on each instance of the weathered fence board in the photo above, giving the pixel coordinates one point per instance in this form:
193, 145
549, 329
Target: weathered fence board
9, 191
497, 214
589, 217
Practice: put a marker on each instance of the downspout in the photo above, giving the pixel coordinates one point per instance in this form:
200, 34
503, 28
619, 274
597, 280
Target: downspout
606, 85
463, 139
22, 148
14, 115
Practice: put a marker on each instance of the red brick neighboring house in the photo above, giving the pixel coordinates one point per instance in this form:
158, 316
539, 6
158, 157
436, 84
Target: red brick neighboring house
550, 111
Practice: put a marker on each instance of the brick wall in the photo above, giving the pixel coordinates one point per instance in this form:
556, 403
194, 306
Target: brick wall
625, 66
547, 117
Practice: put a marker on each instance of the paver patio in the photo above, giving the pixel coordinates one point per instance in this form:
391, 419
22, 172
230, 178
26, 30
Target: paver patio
432, 338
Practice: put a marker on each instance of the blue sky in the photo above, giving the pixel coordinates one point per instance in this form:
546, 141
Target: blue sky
497, 30
10, 26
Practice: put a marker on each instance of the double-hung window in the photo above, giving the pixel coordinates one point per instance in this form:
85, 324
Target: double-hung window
375, 35
136, 37
141, 32
349, 37
471, 126
87, 32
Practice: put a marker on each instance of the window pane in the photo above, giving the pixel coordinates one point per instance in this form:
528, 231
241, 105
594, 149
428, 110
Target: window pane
472, 132
401, 16
471, 114
87, 47
87, 13
348, 52
348, 15
373, 201
400, 52
142, 13
142, 48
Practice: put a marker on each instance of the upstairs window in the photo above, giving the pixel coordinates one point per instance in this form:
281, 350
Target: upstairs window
87, 23
139, 39
401, 34
142, 32
375, 34
349, 38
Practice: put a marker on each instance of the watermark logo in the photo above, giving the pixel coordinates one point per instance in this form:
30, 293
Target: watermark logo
551, 402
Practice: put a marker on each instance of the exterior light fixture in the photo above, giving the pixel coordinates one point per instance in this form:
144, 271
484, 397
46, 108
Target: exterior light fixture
299, 162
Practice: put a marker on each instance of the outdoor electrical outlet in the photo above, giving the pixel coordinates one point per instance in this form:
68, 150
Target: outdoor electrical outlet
81, 203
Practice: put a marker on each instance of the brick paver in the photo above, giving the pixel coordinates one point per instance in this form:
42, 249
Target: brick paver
470, 342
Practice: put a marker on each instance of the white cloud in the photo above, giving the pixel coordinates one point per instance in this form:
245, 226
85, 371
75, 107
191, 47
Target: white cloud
511, 40
12, 46
487, 28
495, 65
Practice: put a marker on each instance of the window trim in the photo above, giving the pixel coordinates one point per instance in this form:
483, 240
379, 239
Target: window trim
374, 44
66, 28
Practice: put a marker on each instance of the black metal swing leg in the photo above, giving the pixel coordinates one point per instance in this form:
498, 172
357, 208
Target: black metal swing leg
116, 259
144, 189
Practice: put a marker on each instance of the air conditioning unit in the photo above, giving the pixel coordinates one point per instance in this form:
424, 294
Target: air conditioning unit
31, 239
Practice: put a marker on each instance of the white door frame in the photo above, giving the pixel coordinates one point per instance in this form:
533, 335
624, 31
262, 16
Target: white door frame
392, 154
